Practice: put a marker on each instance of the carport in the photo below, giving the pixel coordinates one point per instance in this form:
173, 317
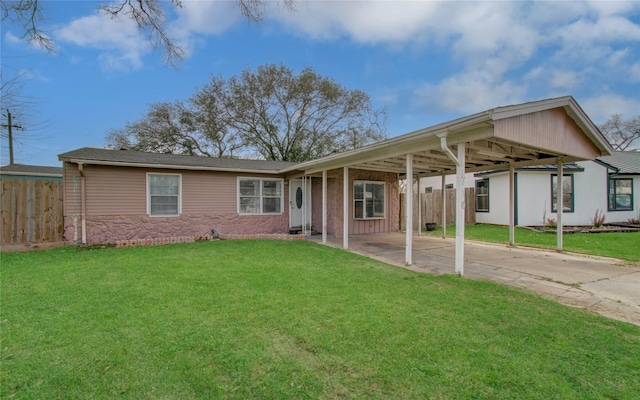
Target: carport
553, 131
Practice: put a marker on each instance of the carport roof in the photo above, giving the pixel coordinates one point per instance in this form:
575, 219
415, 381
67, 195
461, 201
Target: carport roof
534, 133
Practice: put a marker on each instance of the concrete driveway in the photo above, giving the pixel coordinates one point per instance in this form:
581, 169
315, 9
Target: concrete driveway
606, 286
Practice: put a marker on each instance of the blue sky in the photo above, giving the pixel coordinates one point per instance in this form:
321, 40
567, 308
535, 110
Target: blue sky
424, 61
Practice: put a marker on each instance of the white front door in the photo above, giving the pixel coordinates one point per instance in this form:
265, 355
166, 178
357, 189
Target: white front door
300, 203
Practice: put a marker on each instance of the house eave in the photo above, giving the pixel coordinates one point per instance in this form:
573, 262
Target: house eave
12, 173
170, 166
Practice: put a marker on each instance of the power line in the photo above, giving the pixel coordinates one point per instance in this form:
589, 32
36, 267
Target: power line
9, 127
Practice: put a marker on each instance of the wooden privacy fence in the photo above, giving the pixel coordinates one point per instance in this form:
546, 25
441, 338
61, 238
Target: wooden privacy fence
31, 210
431, 204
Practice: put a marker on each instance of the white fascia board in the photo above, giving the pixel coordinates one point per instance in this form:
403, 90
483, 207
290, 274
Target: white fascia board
528, 108
168, 166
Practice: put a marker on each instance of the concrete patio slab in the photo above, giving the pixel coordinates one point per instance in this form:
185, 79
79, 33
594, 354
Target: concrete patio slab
605, 286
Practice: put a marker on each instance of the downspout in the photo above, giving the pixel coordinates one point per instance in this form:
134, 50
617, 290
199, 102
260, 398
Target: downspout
447, 150
459, 163
443, 206
83, 203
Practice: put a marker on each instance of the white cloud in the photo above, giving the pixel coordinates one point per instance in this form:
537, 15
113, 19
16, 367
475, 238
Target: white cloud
363, 21
121, 44
617, 57
612, 7
207, 17
634, 72
387, 97
610, 28
468, 93
202, 18
601, 107
12, 39
564, 79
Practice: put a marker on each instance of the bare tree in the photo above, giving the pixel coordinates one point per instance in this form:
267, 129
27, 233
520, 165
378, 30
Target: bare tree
622, 134
173, 128
291, 117
20, 121
29, 14
272, 113
149, 15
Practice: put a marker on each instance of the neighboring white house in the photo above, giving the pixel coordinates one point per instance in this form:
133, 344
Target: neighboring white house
607, 184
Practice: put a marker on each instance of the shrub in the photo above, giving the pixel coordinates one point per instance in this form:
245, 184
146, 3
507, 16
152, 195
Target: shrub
598, 219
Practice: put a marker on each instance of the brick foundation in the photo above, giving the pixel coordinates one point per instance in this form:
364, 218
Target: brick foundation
196, 238
111, 229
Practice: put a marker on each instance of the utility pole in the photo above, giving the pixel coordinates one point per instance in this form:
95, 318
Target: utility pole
9, 126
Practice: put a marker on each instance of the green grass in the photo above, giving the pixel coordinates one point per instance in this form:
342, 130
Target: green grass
622, 245
287, 320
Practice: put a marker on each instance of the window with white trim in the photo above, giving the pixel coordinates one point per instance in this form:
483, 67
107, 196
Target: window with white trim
163, 194
620, 194
368, 200
260, 196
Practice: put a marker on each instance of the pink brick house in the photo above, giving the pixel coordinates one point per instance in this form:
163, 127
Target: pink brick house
113, 195
118, 195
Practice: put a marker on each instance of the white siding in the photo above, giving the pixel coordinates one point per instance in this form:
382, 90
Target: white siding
534, 197
435, 182
498, 201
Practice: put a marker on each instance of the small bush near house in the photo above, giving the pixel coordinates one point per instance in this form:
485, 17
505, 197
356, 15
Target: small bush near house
550, 223
597, 221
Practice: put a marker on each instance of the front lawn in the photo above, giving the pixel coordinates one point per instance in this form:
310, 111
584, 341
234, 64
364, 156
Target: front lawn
622, 245
286, 320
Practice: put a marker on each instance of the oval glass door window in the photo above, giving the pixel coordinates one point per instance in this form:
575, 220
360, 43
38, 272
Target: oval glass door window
299, 198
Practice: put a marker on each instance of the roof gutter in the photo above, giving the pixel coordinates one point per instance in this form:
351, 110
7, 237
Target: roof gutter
445, 148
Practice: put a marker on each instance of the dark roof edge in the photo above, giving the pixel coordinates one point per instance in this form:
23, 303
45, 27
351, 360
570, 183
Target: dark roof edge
110, 157
607, 165
574, 168
171, 166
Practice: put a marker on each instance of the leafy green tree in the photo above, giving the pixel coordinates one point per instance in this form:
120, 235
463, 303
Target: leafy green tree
272, 113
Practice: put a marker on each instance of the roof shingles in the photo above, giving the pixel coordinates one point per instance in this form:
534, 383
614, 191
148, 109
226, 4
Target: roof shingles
626, 162
30, 170
138, 158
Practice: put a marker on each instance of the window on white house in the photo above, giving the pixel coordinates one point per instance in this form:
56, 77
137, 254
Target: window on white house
567, 193
482, 195
620, 194
368, 200
163, 194
260, 196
